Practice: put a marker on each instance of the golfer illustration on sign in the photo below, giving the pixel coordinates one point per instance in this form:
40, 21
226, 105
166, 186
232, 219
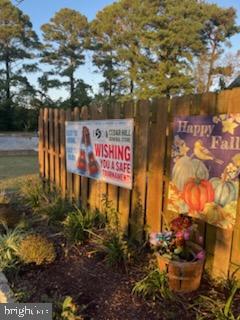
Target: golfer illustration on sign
87, 163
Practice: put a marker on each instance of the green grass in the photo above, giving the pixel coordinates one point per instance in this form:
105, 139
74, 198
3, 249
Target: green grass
14, 170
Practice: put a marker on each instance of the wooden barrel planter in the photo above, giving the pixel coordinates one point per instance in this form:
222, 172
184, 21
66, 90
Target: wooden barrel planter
182, 276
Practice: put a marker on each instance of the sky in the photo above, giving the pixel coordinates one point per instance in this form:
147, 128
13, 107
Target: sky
41, 11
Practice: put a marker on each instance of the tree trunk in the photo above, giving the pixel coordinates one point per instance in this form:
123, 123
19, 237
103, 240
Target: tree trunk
8, 92
7, 104
110, 88
211, 64
131, 86
72, 90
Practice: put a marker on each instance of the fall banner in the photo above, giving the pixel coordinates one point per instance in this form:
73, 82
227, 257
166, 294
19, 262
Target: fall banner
101, 149
205, 168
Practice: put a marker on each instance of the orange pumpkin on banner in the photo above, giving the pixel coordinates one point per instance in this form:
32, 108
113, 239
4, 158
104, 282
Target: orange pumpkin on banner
197, 193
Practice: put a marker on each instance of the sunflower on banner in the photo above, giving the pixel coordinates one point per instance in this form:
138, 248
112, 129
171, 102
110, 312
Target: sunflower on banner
205, 167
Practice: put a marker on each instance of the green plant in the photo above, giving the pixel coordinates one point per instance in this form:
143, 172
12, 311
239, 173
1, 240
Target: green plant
70, 310
3, 197
112, 216
9, 248
227, 311
55, 209
9, 216
154, 285
78, 223
112, 242
32, 191
64, 308
216, 305
45, 201
36, 249
116, 250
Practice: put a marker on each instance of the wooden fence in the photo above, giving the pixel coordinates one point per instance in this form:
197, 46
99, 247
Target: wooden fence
146, 204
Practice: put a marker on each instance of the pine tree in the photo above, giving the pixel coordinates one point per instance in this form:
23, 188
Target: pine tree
116, 34
219, 27
18, 42
64, 37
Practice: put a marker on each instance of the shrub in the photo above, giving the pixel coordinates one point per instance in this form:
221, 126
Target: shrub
36, 249
78, 224
9, 248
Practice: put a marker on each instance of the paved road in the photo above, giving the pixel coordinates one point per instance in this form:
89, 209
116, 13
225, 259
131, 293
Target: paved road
18, 142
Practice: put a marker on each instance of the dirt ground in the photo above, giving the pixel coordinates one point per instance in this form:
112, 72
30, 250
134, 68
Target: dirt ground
102, 293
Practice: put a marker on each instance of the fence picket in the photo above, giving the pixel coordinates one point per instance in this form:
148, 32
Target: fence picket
157, 139
124, 203
113, 113
46, 143
57, 147
41, 144
69, 174
76, 178
63, 153
140, 170
51, 147
84, 181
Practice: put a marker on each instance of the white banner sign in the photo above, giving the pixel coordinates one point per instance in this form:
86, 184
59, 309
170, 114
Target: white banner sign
101, 149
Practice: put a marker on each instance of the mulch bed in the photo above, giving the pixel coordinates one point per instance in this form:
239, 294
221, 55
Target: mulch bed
106, 293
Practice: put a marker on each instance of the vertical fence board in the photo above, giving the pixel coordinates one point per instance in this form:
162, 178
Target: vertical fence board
222, 249
46, 143
114, 113
124, 202
57, 148
77, 178
157, 139
93, 184
63, 153
41, 144
69, 175
178, 106
140, 169
204, 104
51, 147
102, 186
84, 180
234, 107
208, 106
